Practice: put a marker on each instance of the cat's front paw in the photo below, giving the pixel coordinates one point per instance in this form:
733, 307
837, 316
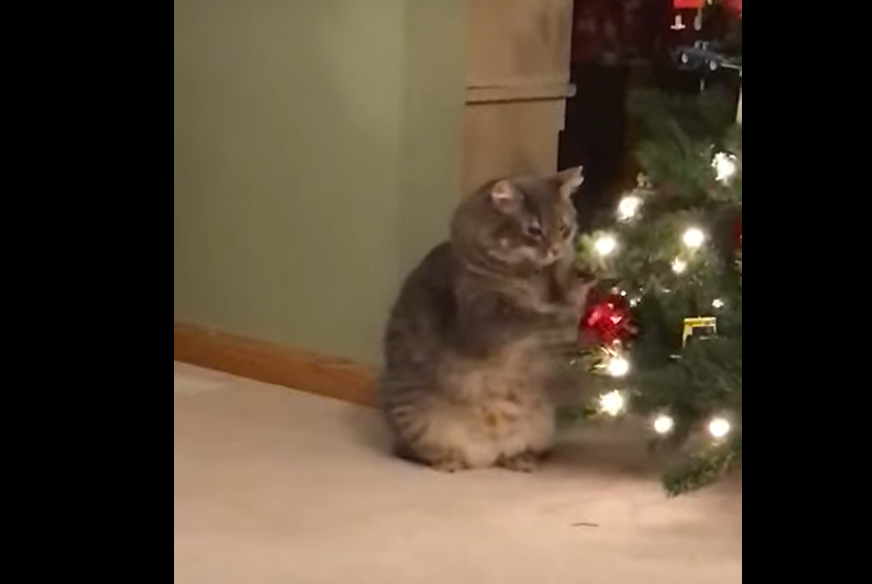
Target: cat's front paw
579, 289
523, 462
449, 465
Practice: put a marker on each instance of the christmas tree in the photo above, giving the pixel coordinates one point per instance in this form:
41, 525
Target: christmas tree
663, 337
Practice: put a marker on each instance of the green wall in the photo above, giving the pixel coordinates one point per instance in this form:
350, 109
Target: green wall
315, 158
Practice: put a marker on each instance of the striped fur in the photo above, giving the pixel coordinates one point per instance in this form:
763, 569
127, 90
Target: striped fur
473, 338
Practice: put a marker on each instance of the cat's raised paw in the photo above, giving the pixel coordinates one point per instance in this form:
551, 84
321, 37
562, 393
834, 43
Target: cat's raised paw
524, 462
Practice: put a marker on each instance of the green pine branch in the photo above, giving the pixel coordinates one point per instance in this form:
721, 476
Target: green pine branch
703, 468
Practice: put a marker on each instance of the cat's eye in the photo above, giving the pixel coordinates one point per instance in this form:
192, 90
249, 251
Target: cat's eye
565, 228
535, 231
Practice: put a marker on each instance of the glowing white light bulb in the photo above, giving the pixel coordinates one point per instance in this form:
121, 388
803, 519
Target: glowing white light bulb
725, 167
663, 424
634, 301
617, 366
628, 207
612, 403
693, 237
679, 265
717, 303
719, 427
605, 244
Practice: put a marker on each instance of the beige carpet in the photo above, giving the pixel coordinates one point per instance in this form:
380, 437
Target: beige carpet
281, 487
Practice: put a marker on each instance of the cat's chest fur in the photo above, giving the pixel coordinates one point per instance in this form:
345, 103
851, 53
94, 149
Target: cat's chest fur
503, 385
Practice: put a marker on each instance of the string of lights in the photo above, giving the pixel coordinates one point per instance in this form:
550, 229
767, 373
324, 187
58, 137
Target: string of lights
613, 360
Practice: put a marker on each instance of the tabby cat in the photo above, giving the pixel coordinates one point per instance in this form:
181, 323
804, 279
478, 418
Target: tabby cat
474, 339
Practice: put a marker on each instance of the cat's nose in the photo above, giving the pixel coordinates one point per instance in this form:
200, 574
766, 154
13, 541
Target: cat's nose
554, 251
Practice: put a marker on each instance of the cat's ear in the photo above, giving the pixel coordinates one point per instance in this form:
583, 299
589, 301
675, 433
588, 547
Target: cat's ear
504, 196
570, 179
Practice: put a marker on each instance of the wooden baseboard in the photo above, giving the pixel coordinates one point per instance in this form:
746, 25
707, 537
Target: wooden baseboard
272, 363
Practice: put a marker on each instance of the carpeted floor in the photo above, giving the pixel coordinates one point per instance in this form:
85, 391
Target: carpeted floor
281, 487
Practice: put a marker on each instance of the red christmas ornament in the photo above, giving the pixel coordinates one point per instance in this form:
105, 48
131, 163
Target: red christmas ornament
608, 320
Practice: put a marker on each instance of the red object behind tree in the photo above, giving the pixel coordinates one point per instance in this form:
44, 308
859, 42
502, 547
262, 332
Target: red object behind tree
736, 5
739, 233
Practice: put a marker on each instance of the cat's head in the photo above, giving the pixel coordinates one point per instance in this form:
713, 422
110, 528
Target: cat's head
523, 223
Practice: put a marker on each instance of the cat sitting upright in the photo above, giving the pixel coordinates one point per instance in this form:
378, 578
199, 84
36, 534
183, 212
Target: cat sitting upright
473, 340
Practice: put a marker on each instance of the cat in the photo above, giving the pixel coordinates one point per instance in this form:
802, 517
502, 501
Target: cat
474, 337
